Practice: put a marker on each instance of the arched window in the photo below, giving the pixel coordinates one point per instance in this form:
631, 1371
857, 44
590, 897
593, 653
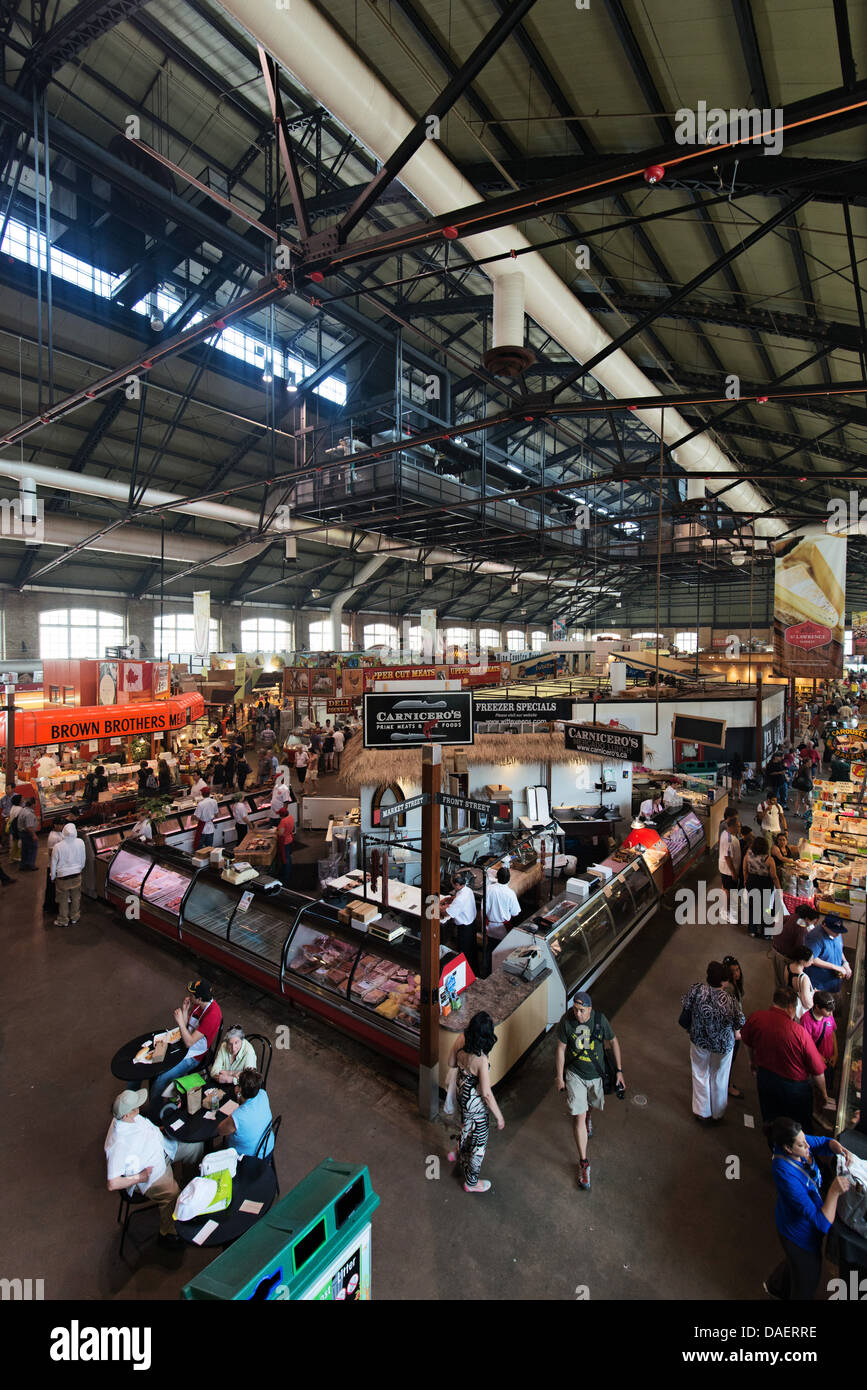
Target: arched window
538, 640
606, 637
381, 635
319, 637
266, 635
79, 632
686, 641
516, 640
175, 632
490, 637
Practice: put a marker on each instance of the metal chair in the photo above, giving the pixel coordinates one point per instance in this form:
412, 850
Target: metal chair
130, 1207
273, 1129
263, 1059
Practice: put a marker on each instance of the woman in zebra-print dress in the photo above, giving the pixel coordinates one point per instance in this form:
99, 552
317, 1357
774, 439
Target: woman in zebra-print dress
475, 1097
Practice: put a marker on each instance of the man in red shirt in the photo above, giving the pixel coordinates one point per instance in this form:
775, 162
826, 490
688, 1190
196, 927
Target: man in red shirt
199, 1019
785, 1061
285, 838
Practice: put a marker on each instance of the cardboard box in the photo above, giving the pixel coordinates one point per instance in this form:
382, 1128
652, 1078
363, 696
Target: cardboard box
363, 911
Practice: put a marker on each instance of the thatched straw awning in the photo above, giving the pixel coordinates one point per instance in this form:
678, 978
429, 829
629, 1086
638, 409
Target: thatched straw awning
374, 767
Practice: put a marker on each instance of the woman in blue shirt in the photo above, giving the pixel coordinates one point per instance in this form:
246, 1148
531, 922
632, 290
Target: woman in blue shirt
246, 1125
802, 1217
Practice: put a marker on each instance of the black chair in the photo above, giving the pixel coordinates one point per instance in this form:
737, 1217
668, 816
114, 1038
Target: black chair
263, 1059
130, 1207
273, 1129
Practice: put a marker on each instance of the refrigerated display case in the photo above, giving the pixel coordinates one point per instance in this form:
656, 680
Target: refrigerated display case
577, 940
157, 878
298, 949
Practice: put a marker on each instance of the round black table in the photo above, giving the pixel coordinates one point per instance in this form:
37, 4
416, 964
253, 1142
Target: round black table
255, 1181
196, 1129
125, 1069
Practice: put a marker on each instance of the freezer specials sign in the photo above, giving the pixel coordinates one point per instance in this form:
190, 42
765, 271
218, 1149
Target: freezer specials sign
518, 711
413, 720
605, 743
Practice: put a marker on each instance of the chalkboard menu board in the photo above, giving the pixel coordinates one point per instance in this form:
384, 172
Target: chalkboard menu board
692, 729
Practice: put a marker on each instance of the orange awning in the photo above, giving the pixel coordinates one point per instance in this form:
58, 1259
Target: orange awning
74, 723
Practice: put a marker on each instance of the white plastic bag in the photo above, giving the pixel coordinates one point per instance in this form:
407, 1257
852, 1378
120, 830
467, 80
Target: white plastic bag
219, 1159
195, 1199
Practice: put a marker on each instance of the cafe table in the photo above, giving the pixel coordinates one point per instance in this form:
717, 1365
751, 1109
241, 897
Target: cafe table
125, 1069
193, 1129
254, 1182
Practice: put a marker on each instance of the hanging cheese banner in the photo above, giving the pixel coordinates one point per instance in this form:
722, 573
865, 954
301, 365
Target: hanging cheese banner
810, 604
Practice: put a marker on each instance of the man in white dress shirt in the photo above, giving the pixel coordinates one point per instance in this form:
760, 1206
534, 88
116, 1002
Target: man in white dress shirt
139, 1159
67, 862
502, 905
461, 909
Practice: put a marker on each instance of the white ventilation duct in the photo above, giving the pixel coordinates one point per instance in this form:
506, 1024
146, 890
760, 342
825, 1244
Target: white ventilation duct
65, 532
509, 356
336, 610
302, 41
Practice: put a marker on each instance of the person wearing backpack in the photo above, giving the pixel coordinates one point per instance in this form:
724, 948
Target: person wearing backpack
582, 1069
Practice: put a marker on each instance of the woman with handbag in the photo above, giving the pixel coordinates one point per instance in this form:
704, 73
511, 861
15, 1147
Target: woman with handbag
712, 1018
802, 1217
761, 882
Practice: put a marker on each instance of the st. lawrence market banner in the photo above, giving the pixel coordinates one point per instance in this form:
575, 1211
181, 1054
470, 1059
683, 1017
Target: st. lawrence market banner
810, 604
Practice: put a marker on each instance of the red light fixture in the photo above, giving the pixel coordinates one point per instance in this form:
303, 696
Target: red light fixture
654, 173
317, 277
146, 365
451, 233
761, 400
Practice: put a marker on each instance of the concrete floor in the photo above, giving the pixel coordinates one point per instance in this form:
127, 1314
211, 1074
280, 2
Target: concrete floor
662, 1221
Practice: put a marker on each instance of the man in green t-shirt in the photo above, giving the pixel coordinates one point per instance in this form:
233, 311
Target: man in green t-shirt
582, 1036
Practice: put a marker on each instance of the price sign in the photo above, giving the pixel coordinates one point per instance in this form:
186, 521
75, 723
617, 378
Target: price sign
246, 899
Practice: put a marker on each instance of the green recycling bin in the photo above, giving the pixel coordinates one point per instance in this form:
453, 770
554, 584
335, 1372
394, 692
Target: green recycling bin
315, 1243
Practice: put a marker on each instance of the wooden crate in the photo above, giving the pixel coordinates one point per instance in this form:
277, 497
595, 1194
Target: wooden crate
246, 852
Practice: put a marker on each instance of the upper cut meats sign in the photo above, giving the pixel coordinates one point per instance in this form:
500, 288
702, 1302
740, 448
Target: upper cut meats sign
413, 720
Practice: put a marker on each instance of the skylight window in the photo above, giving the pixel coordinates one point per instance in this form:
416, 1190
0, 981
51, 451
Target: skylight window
23, 244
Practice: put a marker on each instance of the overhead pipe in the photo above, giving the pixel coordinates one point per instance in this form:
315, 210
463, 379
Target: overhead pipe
306, 45
63, 532
335, 613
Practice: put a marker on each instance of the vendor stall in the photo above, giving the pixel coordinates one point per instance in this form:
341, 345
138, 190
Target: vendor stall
90, 735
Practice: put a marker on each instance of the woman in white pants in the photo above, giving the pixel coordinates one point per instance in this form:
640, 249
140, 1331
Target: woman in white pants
715, 1020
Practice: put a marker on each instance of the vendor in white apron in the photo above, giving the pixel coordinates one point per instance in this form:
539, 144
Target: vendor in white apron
501, 904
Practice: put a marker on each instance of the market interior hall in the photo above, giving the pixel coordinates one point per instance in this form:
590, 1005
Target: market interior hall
433, 664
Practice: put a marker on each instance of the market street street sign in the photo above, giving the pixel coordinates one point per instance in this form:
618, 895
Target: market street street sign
391, 812
418, 719
597, 742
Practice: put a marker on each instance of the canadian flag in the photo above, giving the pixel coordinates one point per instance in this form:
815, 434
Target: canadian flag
132, 676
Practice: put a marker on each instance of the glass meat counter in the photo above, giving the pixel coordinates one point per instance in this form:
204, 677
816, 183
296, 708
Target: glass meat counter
297, 947
577, 939
156, 878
